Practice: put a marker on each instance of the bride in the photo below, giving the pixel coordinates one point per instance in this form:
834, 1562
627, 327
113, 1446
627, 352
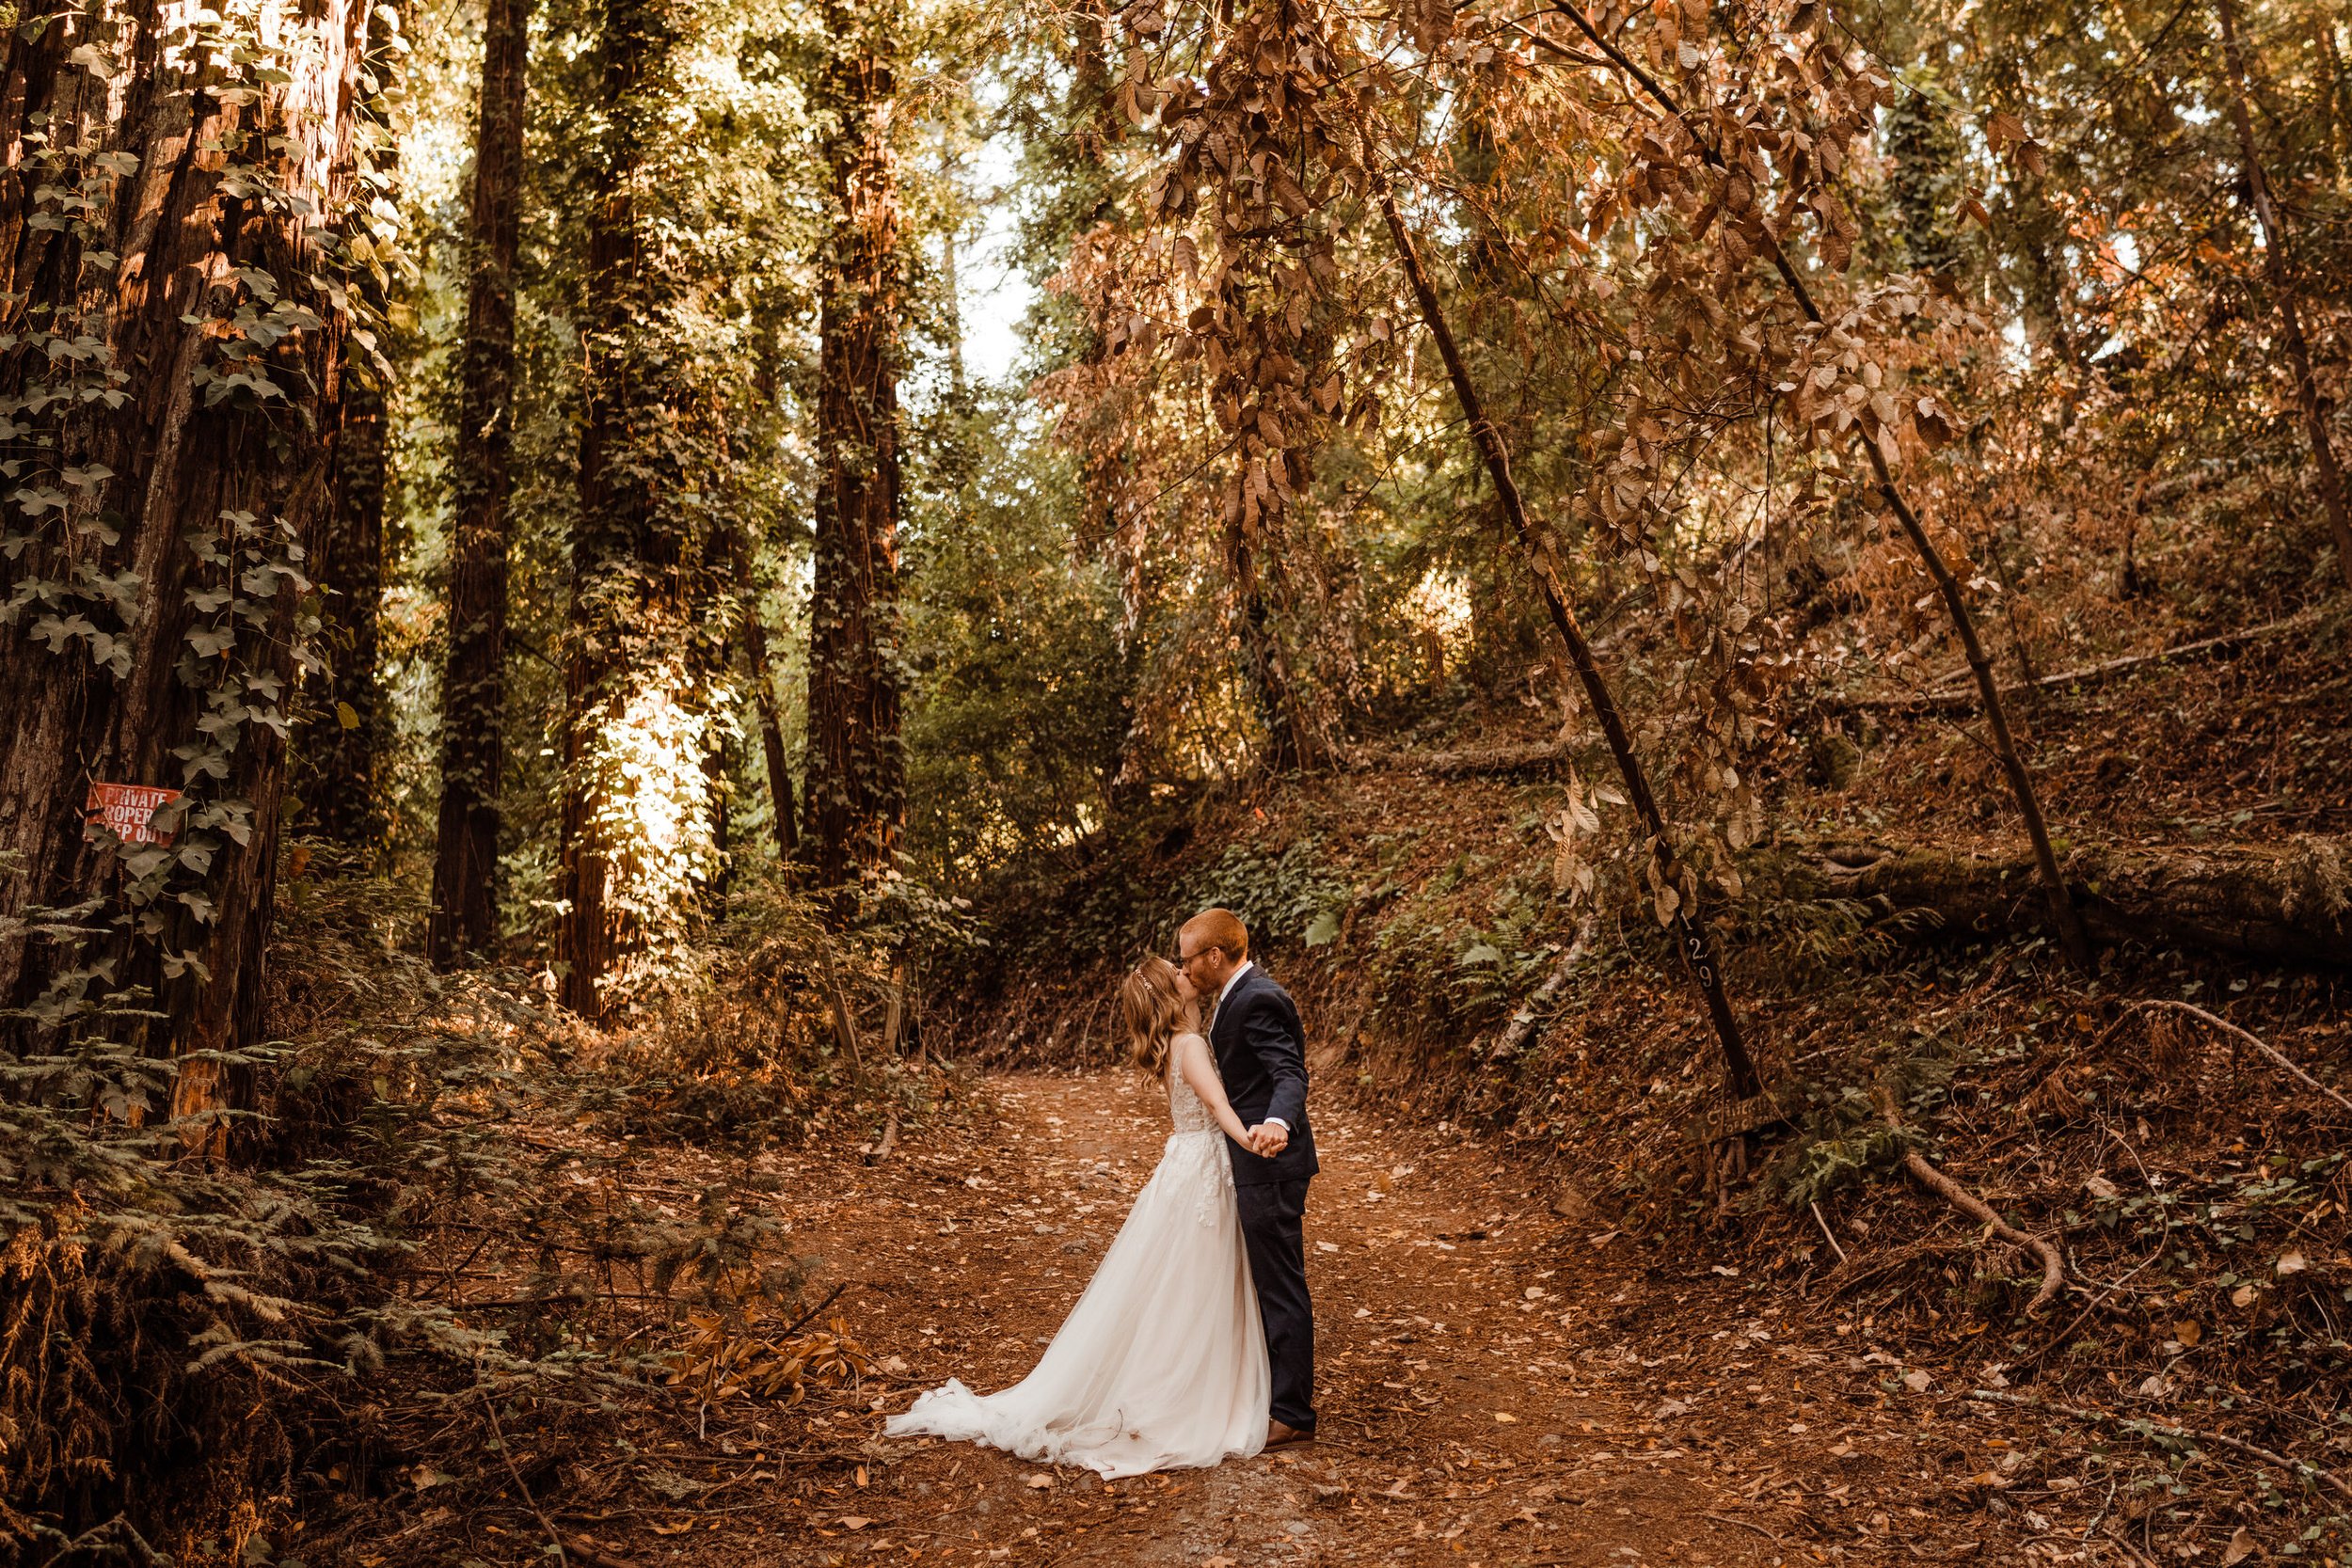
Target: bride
1162, 1364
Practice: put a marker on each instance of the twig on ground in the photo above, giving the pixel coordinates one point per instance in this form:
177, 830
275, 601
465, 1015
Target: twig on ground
594, 1557
1745, 1523
814, 1310
1960, 1197
2284, 1063
1825, 1232
2059, 1337
2167, 1429
489, 1408
1531, 1011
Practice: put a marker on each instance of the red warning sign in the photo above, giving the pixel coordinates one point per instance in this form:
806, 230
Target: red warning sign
129, 811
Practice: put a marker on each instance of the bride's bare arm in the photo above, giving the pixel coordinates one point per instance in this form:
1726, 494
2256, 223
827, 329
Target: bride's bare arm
1199, 1070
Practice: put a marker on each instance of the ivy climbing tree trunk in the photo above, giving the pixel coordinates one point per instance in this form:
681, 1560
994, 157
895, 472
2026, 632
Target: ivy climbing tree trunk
856, 771
638, 838
1690, 935
344, 739
2281, 279
473, 678
341, 745
162, 214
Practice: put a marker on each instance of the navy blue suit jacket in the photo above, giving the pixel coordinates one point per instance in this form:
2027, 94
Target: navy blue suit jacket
1261, 1055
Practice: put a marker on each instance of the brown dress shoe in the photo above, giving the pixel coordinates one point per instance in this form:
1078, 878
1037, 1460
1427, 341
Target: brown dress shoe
1279, 1434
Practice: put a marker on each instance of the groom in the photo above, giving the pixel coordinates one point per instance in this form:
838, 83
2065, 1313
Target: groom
1261, 1055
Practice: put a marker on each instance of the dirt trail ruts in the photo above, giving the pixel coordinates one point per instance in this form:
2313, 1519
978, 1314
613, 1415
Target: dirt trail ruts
1498, 1384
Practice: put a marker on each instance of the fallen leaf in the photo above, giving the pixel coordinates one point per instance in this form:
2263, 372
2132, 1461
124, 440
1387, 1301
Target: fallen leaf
2243, 1296
1919, 1382
1041, 1481
2292, 1262
852, 1521
2100, 1187
678, 1529
1505, 1418
2241, 1546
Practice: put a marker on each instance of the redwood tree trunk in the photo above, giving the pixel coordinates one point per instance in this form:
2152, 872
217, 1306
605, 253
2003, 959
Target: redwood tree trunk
637, 840
856, 800
473, 679
152, 634
341, 744
344, 739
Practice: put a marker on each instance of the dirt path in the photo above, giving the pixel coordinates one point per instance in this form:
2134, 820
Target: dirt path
1499, 1384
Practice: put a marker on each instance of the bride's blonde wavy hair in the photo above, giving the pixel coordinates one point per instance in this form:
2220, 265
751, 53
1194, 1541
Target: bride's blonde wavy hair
1155, 1010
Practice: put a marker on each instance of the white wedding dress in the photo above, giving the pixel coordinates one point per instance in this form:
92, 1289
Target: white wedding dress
1162, 1365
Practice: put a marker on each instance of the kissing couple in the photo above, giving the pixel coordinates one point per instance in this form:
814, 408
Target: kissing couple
1195, 1340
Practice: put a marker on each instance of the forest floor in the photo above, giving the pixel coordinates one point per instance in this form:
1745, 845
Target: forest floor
1499, 1384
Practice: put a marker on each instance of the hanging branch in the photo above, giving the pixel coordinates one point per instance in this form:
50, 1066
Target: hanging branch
1689, 936
2283, 286
2063, 913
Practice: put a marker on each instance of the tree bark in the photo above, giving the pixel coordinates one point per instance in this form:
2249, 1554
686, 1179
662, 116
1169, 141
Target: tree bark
1689, 936
172, 493
473, 676
2330, 476
636, 838
2068, 921
343, 736
771, 732
341, 743
1263, 664
856, 800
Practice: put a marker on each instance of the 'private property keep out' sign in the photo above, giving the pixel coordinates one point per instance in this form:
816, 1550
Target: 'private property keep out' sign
129, 811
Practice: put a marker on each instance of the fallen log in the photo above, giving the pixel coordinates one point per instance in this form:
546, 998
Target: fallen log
2290, 902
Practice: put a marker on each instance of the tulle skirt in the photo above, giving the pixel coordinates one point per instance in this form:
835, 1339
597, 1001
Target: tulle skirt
1162, 1365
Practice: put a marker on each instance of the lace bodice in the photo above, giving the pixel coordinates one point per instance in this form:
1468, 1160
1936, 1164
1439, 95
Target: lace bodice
1185, 1111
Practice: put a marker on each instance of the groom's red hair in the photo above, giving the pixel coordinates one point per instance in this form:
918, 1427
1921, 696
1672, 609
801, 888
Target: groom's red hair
1219, 928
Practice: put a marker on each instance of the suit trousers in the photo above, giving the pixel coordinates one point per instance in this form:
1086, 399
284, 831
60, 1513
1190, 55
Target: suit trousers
1271, 1231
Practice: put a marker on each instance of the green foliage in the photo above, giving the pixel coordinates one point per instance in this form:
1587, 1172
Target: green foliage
1022, 684
1282, 895
1842, 1140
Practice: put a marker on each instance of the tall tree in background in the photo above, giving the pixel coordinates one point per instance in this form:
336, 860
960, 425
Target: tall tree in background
342, 741
473, 686
856, 788
644, 645
165, 242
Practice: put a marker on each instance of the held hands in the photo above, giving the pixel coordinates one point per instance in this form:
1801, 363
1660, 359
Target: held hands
1266, 1142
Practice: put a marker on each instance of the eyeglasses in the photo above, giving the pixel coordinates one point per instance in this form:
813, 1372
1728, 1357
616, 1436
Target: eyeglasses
1181, 961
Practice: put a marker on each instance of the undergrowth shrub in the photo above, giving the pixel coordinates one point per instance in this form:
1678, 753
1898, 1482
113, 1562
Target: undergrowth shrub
179, 1329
